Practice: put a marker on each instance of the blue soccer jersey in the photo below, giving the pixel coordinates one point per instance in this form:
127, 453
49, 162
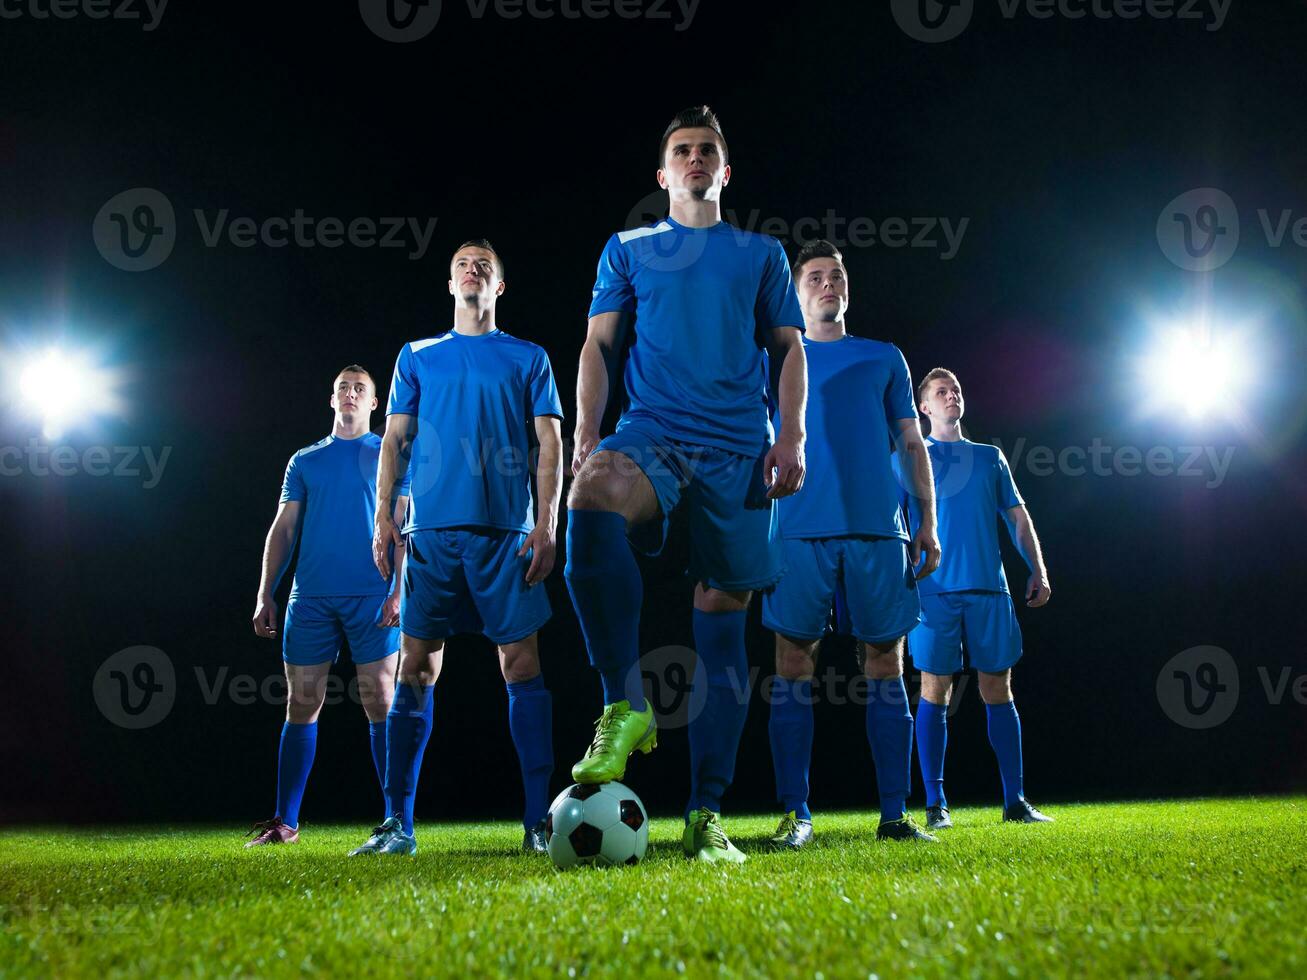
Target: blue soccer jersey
336, 481
858, 389
702, 299
973, 489
475, 397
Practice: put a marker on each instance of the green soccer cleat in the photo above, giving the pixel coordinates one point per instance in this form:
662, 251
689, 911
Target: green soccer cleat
705, 840
904, 828
618, 732
792, 833
389, 838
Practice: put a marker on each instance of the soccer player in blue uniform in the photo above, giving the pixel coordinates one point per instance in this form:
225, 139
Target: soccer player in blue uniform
704, 300
462, 405
844, 532
967, 599
329, 499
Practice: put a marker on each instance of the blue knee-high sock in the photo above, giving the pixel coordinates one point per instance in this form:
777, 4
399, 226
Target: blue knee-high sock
723, 670
1005, 737
790, 730
408, 726
377, 734
932, 740
531, 721
889, 731
294, 760
604, 581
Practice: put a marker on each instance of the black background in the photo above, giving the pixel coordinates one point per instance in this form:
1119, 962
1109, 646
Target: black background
1061, 140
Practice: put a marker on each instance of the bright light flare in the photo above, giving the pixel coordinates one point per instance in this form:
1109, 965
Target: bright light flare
64, 389
1192, 369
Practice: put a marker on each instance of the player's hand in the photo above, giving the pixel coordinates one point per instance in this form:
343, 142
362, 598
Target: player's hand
385, 536
540, 543
923, 550
784, 468
265, 616
389, 611
584, 442
1038, 591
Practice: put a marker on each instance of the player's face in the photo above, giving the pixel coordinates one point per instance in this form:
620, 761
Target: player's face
353, 396
823, 290
943, 400
474, 277
693, 164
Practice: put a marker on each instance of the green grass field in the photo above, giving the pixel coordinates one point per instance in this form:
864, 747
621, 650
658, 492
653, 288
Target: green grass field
1195, 888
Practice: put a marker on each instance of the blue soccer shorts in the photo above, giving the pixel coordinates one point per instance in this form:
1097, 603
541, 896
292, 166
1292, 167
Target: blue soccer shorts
470, 580
735, 541
985, 621
316, 626
871, 578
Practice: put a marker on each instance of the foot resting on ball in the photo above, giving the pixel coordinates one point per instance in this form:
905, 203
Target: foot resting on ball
618, 732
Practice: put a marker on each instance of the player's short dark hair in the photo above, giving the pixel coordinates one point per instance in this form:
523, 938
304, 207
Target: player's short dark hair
357, 369
481, 243
934, 374
819, 249
695, 117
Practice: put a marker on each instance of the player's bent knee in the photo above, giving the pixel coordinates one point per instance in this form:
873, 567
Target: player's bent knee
520, 661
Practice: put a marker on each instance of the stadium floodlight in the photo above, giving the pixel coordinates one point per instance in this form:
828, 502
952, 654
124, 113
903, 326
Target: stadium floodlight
63, 388
1192, 368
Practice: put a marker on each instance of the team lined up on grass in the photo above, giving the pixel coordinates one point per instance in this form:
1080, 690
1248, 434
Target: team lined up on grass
793, 449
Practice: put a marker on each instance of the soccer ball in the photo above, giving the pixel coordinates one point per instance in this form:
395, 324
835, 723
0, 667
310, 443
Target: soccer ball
598, 824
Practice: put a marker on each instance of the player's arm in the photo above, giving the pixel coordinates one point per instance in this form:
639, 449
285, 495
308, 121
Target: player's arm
541, 542
600, 355
390, 611
1022, 528
921, 491
396, 450
786, 458
277, 548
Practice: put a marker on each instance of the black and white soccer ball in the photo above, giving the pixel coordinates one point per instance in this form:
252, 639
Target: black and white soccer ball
598, 824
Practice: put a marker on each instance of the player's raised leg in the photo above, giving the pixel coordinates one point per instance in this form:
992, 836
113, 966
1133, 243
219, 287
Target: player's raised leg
889, 732
790, 730
609, 494
531, 722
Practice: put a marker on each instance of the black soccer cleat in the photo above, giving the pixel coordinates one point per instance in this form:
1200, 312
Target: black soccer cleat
533, 841
937, 818
1022, 812
904, 828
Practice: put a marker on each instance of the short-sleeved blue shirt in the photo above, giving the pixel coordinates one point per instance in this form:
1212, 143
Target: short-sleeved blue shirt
336, 481
973, 489
702, 299
858, 389
475, 397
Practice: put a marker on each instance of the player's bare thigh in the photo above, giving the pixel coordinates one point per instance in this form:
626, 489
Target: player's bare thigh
612, 481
